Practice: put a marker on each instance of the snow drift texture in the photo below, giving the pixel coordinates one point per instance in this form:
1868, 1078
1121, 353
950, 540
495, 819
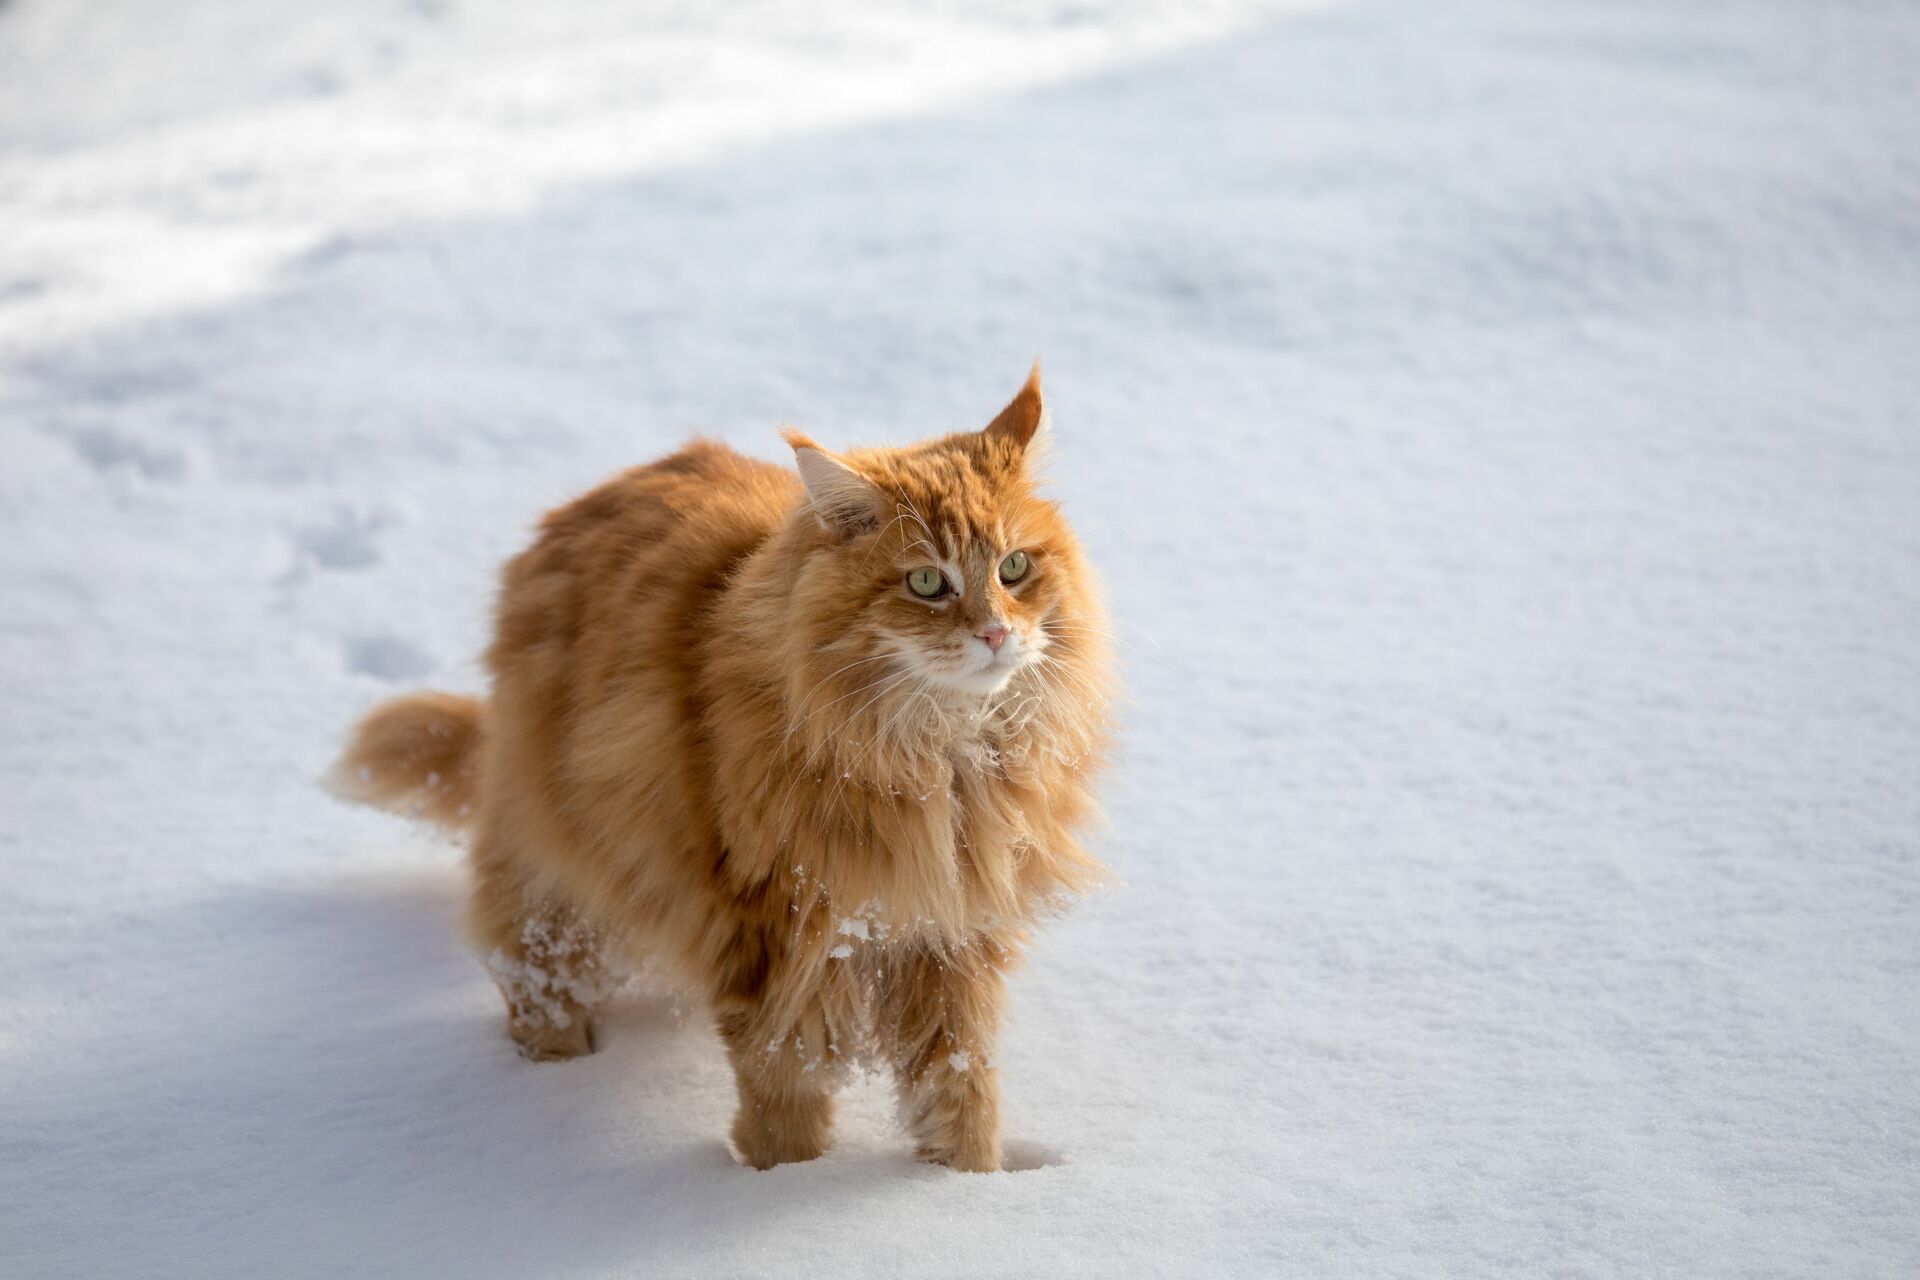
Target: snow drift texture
1495, 422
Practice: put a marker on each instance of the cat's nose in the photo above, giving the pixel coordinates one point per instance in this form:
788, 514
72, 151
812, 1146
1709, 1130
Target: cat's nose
993, 633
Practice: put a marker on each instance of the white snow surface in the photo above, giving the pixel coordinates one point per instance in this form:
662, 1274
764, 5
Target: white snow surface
1496, 425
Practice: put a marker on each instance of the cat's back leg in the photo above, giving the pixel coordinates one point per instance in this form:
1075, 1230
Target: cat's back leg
545, 958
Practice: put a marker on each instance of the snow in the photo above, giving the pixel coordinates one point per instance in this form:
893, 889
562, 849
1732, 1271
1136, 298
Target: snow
1494, 422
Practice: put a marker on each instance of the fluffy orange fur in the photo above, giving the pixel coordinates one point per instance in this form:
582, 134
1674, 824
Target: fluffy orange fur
728, 733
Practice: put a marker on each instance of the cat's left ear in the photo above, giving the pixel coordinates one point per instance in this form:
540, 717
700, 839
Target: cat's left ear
844, 500
1024, 418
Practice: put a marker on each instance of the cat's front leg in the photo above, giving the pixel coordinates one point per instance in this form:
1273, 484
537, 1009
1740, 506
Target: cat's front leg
784, 1042
939, 1014
786, 1111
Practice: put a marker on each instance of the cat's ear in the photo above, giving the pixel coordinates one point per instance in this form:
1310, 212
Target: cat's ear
844, 500
1024, 417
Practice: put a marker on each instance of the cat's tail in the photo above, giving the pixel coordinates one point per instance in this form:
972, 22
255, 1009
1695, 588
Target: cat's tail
418, 755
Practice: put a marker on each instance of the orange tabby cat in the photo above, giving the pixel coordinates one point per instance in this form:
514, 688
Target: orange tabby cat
818, 745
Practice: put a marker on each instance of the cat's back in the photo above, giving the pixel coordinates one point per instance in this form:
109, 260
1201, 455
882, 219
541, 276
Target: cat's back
626, 573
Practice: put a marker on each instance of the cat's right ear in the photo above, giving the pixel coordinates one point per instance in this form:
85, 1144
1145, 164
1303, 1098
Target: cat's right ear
843, 500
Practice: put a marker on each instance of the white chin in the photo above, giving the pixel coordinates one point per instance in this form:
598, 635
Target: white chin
985, 681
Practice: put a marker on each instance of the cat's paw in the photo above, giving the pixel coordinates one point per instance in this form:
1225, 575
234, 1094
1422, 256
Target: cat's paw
544, 1042
762, 1146
980, 1158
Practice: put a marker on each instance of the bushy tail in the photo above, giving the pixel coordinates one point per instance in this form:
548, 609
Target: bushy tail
418, 755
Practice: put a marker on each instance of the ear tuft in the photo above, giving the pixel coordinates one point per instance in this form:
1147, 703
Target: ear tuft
842, 499
1025, 416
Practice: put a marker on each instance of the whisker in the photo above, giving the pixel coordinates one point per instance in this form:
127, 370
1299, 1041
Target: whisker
795, 725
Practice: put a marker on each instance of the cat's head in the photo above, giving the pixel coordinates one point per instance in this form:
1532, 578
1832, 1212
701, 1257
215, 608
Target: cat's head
943, 557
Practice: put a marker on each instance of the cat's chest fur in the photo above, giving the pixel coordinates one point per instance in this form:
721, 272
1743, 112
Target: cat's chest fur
930, 841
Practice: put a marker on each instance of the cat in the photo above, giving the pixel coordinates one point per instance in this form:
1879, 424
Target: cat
819, 745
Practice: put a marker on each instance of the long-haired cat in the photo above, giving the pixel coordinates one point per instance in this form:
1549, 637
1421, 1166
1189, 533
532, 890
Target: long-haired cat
820, 745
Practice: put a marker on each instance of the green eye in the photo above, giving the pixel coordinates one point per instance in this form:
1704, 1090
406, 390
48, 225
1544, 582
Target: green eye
1014, 567
927, 583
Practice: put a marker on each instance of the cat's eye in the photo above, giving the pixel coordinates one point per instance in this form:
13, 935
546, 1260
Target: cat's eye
1014, 567
928, 583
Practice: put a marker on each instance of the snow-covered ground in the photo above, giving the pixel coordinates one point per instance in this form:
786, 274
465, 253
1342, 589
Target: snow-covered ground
1497, 425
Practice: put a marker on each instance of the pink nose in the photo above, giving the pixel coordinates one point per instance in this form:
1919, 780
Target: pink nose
994, 633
